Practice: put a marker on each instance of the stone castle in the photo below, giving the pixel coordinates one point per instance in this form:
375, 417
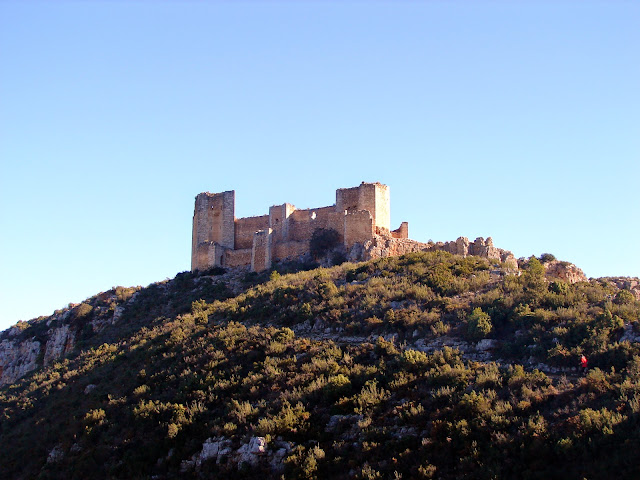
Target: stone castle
220, 239
360, 216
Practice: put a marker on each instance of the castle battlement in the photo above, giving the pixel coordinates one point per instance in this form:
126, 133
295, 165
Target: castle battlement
219, 239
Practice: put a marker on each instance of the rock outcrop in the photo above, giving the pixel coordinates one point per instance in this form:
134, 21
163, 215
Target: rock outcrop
61, 341
252, 453
45, 340
626, 283
17, 358
564, 271
382, 246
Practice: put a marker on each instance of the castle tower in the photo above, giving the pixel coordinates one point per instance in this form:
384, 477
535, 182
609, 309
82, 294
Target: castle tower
213, 229
373, 197
279, 221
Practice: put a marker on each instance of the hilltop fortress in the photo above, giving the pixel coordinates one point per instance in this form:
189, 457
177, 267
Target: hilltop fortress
360, 217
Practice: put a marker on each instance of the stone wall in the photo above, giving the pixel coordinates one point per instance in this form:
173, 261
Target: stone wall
246, 227
348, 199
279, 221
237, 258
289, 250
302, 223
207, 255
358, 227
261, 251
402, 232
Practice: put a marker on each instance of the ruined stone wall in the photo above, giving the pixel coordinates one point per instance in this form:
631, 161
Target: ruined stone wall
261, 251
237, 258
348, 199
302, 223
402, 232
207, 255
246, 227
358, 227
289, 250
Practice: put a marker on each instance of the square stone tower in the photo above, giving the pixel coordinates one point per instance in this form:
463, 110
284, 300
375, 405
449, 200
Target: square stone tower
213, 229
373, 197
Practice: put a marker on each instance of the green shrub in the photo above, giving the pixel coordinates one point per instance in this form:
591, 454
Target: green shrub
624, 297
547, 257
323, 241
290, 419
478, 324
82, 310
369, 397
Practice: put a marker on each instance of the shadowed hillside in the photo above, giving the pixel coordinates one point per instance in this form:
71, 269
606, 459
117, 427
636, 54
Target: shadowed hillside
428, 365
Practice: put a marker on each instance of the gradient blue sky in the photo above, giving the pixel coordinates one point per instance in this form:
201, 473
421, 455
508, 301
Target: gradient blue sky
516, 120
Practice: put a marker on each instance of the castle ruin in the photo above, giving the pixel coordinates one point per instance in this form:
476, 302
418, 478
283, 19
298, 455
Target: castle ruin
219, 239
361, 217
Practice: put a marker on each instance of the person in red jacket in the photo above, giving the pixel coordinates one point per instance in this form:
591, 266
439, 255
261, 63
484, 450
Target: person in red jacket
584, 363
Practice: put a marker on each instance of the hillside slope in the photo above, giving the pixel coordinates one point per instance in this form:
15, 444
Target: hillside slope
428, 365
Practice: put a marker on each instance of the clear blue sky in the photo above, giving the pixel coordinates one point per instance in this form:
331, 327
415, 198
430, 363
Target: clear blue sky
515, 120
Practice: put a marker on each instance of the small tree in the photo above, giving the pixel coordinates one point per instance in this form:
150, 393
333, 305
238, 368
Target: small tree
547, 257
534, 278
323, 241
478, 324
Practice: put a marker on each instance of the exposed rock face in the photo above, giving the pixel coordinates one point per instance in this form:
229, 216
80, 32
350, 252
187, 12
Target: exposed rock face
629, 335
564, 271
213, 448
17, 359
56, 454
627, 283
43, 341
382, 246
61, 341
252, 453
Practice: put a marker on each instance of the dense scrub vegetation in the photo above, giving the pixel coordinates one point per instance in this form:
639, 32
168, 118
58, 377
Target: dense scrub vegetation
198, 363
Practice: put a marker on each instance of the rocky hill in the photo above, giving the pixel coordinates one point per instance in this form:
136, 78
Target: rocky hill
427, 365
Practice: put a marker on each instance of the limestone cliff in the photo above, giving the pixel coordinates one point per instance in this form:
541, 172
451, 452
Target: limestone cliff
45, 340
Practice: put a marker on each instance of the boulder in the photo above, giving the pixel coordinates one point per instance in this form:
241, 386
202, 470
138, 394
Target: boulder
56, 454
564, 271
213, 448
486, 344
251, 452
